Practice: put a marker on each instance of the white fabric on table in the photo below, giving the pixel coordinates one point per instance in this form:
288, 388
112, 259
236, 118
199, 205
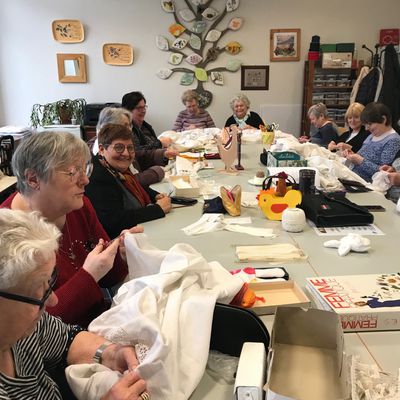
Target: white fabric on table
170, 312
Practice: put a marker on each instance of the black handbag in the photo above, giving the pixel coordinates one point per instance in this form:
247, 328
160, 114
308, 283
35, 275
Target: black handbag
333, 209
214, 206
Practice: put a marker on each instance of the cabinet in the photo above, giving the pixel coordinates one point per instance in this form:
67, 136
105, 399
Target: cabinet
331, 86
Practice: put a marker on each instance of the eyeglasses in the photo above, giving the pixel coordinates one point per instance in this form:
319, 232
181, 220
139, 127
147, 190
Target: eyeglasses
78, 172
31, 300
141, 108
120, 148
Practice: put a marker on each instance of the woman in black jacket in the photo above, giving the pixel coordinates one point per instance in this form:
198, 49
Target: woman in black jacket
118, 198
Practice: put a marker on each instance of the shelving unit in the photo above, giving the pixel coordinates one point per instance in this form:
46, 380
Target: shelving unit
331, 86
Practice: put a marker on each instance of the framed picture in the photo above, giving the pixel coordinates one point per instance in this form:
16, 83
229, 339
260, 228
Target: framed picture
71, 68
254, 77
284, 45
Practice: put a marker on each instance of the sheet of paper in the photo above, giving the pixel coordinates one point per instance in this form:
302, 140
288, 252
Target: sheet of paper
365, 230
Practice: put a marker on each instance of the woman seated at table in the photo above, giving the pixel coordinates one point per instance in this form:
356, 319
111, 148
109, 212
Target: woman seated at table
242, 117
325, 130
118, 198
32, 343
379, 148
147, 164
52, 170
354, 138
193, 117
144, 137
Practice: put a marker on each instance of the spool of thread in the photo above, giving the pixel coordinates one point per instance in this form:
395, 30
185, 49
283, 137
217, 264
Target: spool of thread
293, 220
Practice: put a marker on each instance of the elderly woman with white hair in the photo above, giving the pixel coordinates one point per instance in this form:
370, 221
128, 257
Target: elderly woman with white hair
52, 170
32, 343
242, 117
325, 130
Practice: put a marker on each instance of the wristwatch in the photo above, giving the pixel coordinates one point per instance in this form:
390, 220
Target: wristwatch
97, 358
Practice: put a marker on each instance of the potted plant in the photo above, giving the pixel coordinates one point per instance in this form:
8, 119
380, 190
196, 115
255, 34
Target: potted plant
58, 112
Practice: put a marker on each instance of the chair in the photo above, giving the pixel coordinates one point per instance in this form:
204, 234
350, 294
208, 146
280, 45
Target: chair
232, 326
6, 152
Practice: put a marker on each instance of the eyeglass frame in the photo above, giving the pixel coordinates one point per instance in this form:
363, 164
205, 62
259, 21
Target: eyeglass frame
145, 107
79, 170
30, 300
106, 146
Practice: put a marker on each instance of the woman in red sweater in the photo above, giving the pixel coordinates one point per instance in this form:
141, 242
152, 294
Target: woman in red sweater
53, 169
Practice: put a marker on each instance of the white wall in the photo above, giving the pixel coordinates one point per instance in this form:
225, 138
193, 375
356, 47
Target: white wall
28, 67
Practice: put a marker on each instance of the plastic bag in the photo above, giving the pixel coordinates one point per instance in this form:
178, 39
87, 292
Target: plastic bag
222, 366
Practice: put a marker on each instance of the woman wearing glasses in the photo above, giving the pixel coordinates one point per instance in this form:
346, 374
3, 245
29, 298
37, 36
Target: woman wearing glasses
32, 343
118, 198
52, 170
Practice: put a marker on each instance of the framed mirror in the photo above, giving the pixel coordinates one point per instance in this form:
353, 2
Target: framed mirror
71, 68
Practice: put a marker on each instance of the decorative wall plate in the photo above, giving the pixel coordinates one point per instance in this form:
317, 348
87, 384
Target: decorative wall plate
179, 44
195, 42
194, 58
117, 54
68, 30
233, 65
187, 79
217, 78
233, 48
201, 74
167, 6
199, 26
209, 13
175, 58
176, 29
232, 5
162, 43
199, 2
164, 73
235, 23
187, 14
213, 35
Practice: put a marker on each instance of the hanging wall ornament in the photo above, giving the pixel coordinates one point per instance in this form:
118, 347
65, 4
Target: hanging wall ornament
199, 2
194, 58
195, 42
167, 6
187, 14
176, 29
162, 43
217, 78
232, 5
164, 73
213, 35
233, 48
175, 58
233, 65
199, 26
201, 74
179, 44
235, 23
209, 13
187, 79
205, 97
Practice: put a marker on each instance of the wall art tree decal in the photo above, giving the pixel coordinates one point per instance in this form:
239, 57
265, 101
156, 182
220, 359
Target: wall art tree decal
196, 42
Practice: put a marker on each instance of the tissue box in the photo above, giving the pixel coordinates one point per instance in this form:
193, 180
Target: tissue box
285, 159
191, 188
276, 294
306, 359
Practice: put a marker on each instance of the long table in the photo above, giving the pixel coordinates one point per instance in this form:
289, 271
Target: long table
372, 347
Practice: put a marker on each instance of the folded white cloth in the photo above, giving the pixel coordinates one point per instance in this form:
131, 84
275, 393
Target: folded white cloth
249, 199
350, 242
270, 252
170, 312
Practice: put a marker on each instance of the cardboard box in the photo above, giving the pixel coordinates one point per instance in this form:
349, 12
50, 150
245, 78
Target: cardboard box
306, 358
363, 302
277, 294
328, 48
337, 60
285, 159
188, 188
345, 47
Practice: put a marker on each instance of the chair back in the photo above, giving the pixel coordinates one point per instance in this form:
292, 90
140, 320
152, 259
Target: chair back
6, 152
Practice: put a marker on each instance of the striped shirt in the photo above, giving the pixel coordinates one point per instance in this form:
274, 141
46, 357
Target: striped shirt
43, 350
185, 119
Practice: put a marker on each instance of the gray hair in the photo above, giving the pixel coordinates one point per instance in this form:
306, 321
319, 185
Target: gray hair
240, 97
44, 152
27, 241
112, 115
317, 110
189, 95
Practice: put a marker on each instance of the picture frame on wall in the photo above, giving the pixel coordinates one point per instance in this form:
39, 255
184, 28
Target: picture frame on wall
285, 44
254, 77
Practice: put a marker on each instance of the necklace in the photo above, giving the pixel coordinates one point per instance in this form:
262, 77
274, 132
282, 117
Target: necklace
70, 247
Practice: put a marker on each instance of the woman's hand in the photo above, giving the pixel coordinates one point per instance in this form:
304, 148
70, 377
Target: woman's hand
165, 141
170, 152
129, 387
165, 204
304, 139
394, 178
122, 249
331, 146
387, 168
344, 146
101, 259
355, 158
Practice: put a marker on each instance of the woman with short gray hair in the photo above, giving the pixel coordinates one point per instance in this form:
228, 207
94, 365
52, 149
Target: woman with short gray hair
52, 170
242, 117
